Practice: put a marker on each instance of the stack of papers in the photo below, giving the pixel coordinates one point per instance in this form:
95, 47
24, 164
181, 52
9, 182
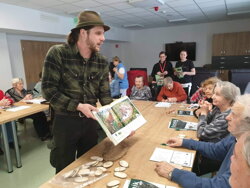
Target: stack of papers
171, 156
35, 101
163, 104
16, 108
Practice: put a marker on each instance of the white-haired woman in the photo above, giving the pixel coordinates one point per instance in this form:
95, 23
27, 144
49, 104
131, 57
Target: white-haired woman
213, 126
18, 93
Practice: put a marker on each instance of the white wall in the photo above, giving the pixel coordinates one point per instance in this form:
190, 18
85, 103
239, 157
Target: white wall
5, 66
147, 43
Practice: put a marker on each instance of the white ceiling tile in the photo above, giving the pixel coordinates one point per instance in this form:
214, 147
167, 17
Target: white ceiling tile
46, 3
211, 4
69, 1
87, 4
179, 3
68, 8
114, 13
103, 9
110, 1
122, 6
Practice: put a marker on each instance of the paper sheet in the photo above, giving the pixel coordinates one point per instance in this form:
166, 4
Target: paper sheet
172, 156
16, 108
163, 104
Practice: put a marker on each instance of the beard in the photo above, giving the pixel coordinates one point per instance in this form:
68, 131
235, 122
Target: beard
92, 46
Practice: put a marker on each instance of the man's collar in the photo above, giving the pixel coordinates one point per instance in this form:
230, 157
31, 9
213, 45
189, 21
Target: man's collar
76, 51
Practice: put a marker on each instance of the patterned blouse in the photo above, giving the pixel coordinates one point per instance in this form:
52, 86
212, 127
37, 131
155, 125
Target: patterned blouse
141, 94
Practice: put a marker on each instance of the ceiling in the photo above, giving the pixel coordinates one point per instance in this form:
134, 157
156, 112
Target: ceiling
140, 14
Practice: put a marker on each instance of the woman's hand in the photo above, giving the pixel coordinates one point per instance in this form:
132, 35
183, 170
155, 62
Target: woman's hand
28, 97
4, 102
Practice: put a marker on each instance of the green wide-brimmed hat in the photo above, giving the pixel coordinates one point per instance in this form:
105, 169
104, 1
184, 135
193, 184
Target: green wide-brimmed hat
90, 18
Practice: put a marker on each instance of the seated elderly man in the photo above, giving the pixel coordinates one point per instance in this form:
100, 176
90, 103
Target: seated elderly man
140, 91
238, 123
240, 163
171, 91
18, 93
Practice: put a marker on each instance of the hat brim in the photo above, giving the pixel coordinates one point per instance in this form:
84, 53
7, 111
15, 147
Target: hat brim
106, 28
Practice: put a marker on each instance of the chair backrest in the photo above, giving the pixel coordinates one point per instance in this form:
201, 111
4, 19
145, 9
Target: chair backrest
240, 77
131, 78
247, 90
187, 87
201, 75
143, 69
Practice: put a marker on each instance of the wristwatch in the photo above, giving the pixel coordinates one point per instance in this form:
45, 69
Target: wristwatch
170, 175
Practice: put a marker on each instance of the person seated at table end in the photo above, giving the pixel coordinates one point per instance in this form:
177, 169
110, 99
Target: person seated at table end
6, 102
171, 91
17, 93
140, 91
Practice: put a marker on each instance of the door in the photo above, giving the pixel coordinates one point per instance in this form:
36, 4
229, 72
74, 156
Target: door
34, 53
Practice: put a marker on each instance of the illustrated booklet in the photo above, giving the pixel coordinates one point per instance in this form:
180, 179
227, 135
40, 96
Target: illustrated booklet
119, 118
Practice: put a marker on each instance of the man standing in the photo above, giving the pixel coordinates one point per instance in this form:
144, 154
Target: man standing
75, 76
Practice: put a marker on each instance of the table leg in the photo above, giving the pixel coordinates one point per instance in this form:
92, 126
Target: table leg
18, 157
6, 148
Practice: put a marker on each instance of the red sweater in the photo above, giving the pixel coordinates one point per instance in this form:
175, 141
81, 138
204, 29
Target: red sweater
177, 92
2, 96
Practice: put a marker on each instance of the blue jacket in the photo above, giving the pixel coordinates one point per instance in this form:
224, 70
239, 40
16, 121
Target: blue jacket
221, 151
114, 88
123, 82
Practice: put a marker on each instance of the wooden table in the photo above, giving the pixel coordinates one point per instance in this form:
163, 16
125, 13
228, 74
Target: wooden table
148, 137
6, 116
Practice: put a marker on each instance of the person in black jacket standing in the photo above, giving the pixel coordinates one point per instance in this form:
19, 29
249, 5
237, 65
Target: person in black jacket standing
163, 68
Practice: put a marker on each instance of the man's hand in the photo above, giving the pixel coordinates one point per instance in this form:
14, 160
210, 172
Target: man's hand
86, 110
175, 142
4, 102
163, 169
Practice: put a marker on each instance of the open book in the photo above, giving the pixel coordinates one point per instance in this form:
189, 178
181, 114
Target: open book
182, 125
119, 118
179, 72
135, 183
159, 80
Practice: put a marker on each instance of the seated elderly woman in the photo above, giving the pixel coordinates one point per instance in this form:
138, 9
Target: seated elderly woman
205, 92
6, 102
171, 91
213, 126
18, 93
140, 91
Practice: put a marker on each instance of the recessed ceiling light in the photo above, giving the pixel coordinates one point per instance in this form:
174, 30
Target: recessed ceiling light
238, 12
178, 20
